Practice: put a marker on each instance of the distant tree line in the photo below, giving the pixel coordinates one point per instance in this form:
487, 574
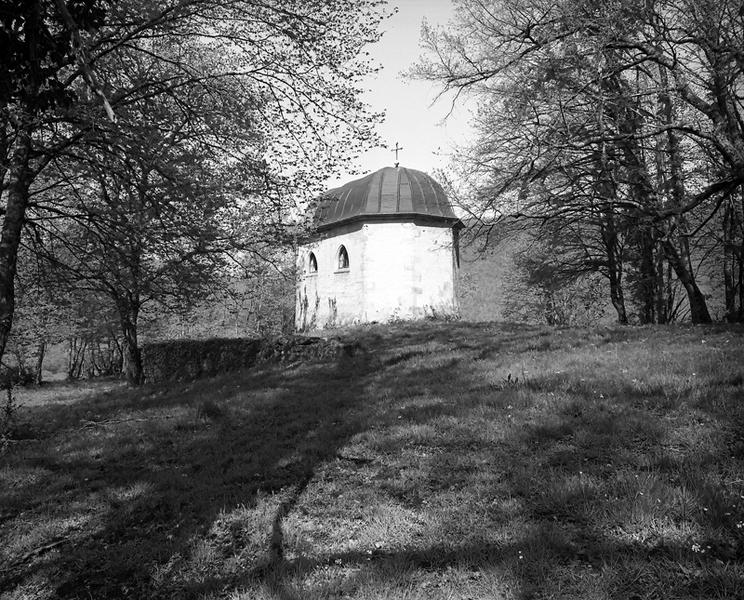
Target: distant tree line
612, 135
151, 153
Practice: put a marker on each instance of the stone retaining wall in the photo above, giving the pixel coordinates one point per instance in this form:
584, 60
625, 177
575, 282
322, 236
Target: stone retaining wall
185, 360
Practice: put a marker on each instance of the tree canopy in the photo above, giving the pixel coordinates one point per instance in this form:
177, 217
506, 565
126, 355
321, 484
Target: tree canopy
618, 121
151, 137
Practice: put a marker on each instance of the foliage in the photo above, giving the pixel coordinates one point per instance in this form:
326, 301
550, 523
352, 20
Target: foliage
256, 301
142, 141
528, 275
561, 303
50, 312
620, 123
38, 50
18, 374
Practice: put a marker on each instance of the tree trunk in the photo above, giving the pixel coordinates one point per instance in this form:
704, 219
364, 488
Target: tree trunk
40, 363
729, 286
117, 354
549, 307
608, 228
132, 359
10, 236
669, 302
18, 175
648, 279
630, 125
614, 269
70, 350
618, 300
76, 357
4, 150
132, 364
698, 307
661, 290
741, 284
733, 257
679, 257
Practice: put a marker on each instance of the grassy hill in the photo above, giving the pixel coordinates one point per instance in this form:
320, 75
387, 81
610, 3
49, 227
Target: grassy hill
444, 461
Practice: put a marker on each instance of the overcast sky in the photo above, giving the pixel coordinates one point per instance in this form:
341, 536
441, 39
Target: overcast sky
411, 119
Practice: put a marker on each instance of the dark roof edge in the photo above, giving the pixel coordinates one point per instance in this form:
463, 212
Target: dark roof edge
391, 217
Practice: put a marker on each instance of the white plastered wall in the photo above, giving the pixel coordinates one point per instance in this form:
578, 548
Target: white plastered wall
331, 296
397, 270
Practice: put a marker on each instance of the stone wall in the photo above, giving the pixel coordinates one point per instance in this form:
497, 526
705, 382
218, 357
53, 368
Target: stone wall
186, 360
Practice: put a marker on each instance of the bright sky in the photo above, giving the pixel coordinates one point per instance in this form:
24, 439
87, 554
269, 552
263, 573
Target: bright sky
411, 120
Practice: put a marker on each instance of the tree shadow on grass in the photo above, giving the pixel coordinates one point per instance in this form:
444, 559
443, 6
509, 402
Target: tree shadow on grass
144, 487
164, 470
609, 483
628, 570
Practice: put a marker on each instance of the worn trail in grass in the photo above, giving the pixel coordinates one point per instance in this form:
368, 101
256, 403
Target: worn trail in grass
445, 461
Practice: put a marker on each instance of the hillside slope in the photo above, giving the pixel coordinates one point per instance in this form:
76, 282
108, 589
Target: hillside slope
441, 461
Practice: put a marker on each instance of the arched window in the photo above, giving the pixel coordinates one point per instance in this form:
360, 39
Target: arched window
312, 265
343, 258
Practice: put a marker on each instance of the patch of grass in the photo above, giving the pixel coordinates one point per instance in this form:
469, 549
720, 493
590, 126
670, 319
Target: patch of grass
446, 461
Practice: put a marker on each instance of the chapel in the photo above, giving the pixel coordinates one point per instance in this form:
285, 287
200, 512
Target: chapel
383, 247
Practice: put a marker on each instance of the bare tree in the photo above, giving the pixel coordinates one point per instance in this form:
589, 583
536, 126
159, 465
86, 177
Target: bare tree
630, 111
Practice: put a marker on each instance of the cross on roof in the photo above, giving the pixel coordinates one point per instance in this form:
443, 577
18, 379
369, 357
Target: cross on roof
396, 149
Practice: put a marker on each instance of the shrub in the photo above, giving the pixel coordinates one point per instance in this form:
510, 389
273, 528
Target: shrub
13, 376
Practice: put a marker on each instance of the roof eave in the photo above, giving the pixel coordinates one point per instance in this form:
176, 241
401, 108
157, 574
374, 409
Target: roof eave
390, 218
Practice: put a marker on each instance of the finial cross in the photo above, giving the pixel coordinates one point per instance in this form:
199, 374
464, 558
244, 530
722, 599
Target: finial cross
396, 150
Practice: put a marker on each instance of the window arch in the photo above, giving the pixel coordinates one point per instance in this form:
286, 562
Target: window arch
312, 263
343, 258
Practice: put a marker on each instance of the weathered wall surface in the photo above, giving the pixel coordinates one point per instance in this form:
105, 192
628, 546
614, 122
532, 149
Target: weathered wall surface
409, 271
397, 270
331, 296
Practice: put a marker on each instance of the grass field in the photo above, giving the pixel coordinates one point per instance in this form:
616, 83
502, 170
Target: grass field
447, 461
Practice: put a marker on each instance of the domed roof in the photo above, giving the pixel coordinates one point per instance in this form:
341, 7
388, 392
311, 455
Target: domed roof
387, 194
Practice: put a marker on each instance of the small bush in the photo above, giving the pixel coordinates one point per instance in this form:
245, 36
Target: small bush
13, 376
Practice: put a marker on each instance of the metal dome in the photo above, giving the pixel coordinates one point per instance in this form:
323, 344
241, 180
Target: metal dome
388, 194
